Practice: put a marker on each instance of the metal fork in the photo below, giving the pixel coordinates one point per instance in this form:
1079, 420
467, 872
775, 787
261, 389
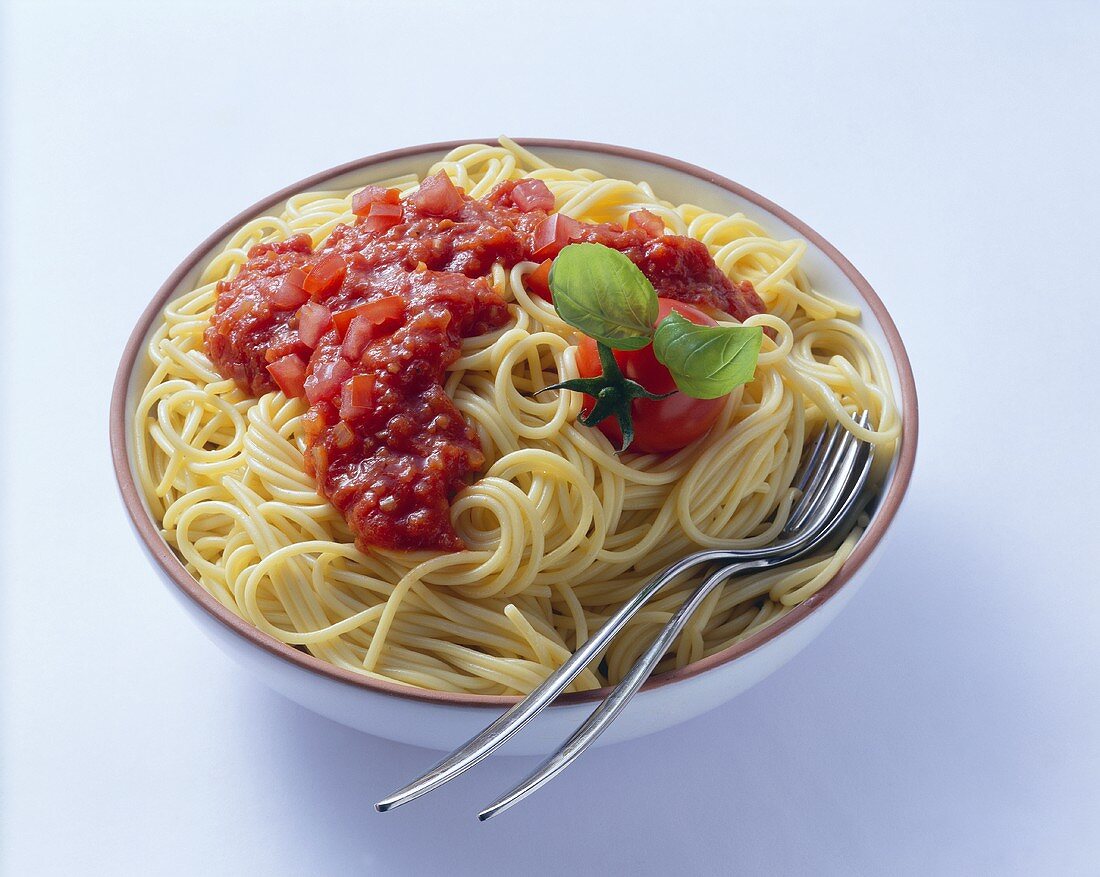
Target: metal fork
831, 482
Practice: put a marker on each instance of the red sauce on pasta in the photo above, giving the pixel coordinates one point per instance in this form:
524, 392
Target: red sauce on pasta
366, 326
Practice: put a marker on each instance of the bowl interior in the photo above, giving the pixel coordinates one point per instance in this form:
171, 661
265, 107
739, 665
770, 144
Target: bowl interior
672, 180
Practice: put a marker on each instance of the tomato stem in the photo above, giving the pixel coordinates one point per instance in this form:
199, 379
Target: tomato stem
613, 392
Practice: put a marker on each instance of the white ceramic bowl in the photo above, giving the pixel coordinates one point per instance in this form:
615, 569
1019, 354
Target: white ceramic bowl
439, 720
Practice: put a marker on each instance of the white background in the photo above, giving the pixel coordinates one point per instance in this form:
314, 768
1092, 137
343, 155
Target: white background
948, 723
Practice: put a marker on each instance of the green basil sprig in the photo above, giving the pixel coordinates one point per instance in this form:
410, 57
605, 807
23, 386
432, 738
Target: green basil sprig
706, 361
600, 292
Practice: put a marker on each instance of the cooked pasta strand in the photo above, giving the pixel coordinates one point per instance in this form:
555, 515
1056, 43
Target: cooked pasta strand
559, 529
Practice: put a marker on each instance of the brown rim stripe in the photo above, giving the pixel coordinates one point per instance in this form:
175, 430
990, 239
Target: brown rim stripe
162, 554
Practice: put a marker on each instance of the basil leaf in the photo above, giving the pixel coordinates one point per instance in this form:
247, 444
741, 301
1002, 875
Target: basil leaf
602, 293
707, 361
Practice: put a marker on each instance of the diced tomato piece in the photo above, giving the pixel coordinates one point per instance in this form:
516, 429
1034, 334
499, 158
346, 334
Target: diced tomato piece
359, 334
383, 216
289, 372
325, 276
531, 195
343, 436
326, 379
313, 322
438, 196
316, 460
552, 234
313, 421
380, 312
357, 396
646, 221
362, 390
290, 293
368, 195
538, 281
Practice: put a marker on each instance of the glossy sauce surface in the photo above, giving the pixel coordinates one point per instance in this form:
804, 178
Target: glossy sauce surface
366, 326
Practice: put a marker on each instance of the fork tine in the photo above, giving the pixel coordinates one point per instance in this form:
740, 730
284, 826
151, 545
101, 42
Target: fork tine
615, 702
834, 484
811, 458
507, 725
854, 496
839, 455
839, 459
844, 487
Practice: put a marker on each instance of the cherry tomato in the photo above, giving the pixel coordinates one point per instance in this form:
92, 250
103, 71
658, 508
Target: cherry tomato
660, 425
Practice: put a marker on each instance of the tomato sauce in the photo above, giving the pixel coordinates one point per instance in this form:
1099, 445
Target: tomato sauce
680, 268
247, 332
366, 326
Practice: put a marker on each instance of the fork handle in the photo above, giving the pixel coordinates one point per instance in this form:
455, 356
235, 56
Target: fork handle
614, 703
507, 725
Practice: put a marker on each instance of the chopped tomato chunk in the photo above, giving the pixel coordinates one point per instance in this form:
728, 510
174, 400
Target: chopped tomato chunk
357, 396
646, 221
382, 217
290, 293
362, 200
362, 390
552, 234
316, 459
325, 276
531, 195
381, 311
343, 436
438, 196
313, 421
538, 281
325, 380
313, 321
289, 372
359, 334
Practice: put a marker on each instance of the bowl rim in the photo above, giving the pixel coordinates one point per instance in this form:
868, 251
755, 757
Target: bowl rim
163, 556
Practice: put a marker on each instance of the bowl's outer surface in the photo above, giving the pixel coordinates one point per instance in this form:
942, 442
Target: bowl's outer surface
441, 721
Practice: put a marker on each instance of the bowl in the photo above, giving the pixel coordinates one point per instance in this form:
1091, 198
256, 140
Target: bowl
440, 720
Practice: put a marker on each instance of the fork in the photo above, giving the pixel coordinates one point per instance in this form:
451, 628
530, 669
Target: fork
831, 483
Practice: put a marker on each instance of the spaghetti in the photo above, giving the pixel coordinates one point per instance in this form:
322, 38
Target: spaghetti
558, 529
